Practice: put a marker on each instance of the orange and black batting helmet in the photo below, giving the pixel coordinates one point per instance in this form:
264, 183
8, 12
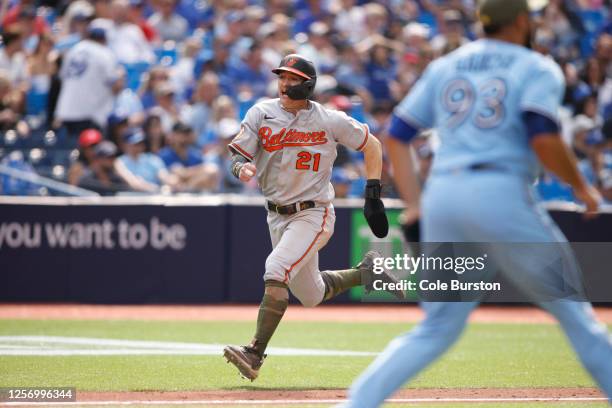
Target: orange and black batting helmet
300, 66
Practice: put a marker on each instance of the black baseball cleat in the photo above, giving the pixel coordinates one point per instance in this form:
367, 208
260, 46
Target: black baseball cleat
366, 267
245, 359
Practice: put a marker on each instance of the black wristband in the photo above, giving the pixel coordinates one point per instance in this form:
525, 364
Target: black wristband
373, 189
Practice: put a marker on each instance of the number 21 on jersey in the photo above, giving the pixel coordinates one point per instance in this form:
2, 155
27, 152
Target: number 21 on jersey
461, 98
304, 159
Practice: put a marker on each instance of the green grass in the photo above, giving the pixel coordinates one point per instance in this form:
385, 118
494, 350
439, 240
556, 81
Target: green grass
488, 355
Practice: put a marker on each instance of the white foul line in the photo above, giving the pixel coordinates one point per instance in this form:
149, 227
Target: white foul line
85, 346
302, 401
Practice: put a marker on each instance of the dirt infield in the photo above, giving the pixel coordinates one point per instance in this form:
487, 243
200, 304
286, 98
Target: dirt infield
330, 313
309, 395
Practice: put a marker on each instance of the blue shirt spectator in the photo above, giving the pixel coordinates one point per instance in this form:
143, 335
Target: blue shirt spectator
171, 158
141, 170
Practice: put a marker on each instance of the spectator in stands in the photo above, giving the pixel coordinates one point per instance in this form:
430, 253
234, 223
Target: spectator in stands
375, 19
381, 71
415, 36
361, 48
12, 56
157, 75
41, 66
88, 140
76, 20
230, 31
223, 107
126, 39
307, 13
604, 162
273, 42
102, 9
594, 75
282, 27
200, 112
452, 35
220, 154
341, 180
253, 19
166, 107
566, 27
11, 102
575, 89
187, 163
603, 53
319, 48
587, 123
140, 170
127, 103
219, 64
182, 73
350, 20
89, 84
100, 176
117, 124
154, 134
351, 73
250, 75
407, 10
23, 15
168, 24
135, 15
543, 40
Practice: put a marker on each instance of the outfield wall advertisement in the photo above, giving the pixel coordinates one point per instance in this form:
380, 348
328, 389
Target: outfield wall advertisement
186, 252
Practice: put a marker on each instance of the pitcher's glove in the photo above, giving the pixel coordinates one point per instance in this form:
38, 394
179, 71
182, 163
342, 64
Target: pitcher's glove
374, 209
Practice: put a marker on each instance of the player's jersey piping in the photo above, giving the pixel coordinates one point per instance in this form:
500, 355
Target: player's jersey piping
365, 140
241, 151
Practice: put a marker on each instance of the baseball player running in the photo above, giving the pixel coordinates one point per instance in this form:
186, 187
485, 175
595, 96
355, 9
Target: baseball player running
289, 144
494, 103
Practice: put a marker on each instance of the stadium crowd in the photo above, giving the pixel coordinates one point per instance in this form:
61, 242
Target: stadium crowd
144, 95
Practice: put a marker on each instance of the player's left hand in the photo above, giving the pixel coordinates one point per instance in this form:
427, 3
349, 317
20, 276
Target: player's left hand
374, 209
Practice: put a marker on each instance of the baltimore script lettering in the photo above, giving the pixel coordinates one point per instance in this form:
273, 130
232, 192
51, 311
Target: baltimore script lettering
287, 138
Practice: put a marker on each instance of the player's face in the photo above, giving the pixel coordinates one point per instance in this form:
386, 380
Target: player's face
285, 81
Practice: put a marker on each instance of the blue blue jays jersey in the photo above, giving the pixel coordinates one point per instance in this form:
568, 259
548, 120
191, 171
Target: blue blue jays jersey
476, 97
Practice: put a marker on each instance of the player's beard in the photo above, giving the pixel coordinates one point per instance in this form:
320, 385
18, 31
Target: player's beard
529, 37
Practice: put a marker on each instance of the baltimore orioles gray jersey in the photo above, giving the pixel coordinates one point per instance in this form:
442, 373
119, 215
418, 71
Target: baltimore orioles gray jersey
294, 154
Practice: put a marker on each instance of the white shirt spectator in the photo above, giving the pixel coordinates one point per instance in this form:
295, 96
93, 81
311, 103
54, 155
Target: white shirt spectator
15, 66
173, 28
127, 41
130, 45
88, 74
351, 23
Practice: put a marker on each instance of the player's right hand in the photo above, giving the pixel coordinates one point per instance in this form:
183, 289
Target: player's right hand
247, 171
591, 199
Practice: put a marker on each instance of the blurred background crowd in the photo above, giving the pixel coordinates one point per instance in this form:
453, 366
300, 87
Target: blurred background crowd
124, 96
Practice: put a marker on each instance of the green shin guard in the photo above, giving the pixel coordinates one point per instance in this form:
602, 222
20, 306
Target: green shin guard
337, 282
271, 311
